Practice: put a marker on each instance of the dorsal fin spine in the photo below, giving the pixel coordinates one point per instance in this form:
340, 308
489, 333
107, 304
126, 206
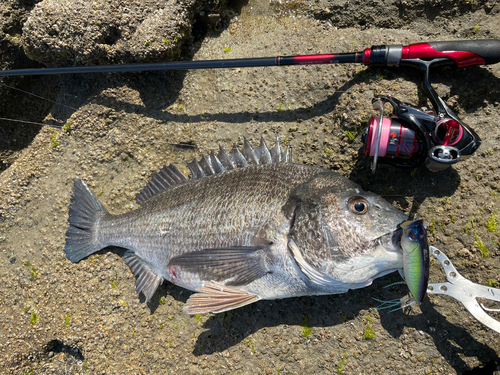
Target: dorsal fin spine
238, 157
226, 159
206, 165
214, 164
288, 154
167, 178
264, 154
249, 152
195, 168
276, 155
176, 173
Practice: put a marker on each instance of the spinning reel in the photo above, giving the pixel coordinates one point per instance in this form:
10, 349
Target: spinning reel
412, 135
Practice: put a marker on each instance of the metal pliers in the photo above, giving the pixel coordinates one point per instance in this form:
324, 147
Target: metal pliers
465, 291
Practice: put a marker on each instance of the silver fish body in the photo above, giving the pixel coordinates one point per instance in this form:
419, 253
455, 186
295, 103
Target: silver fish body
246, 226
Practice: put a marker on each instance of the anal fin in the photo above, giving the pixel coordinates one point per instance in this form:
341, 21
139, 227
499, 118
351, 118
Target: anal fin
216, 298
147, 281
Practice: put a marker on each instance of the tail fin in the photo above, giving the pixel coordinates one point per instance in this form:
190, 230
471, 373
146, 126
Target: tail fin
85, 212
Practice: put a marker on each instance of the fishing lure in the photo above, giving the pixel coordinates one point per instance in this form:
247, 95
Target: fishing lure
416, 254
415, 258
415, 270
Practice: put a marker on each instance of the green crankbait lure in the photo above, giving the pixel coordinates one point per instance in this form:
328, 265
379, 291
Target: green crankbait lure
415, 258
415, 270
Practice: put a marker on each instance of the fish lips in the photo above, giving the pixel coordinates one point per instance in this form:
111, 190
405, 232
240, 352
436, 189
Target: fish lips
392, 241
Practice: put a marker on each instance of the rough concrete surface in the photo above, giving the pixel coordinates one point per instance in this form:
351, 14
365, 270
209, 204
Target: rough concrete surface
58, 317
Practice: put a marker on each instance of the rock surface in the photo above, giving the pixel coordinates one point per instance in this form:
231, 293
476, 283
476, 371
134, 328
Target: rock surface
58, 317
13, 103
72, 32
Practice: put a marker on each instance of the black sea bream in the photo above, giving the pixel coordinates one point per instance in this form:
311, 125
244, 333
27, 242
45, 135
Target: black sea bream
248, 225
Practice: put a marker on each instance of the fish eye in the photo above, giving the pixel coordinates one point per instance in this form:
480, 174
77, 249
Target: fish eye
358, 205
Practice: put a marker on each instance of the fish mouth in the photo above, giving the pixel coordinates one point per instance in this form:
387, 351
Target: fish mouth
392, 241
385, 257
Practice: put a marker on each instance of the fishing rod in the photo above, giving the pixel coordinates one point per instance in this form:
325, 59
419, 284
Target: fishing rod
412, 135
463, 53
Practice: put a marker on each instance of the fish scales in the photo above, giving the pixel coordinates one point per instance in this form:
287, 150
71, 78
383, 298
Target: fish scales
247, 226
218, 211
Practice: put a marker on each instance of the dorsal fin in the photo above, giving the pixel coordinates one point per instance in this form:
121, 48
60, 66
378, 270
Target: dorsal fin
162, 180
276, 154
195, 168
216, 164
238, 157
263, 152
213, 164
206, 165
226, 159
287, 157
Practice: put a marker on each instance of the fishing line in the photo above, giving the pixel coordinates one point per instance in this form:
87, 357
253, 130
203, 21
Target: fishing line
38, 96
32, 123
69, 129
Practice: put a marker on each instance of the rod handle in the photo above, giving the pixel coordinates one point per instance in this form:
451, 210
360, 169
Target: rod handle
463, 52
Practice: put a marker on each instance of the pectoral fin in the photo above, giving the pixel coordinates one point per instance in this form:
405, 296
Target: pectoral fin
236, 265
216, 298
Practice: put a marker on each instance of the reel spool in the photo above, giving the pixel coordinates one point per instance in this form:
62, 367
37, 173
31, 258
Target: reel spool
388, 138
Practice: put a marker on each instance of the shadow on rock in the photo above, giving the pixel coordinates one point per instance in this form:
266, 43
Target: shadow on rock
467, 88
228, 329
419, 183
454, 342
160, 85
58, 346
167, 288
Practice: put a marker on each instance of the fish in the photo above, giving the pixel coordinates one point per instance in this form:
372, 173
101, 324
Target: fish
248, 225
